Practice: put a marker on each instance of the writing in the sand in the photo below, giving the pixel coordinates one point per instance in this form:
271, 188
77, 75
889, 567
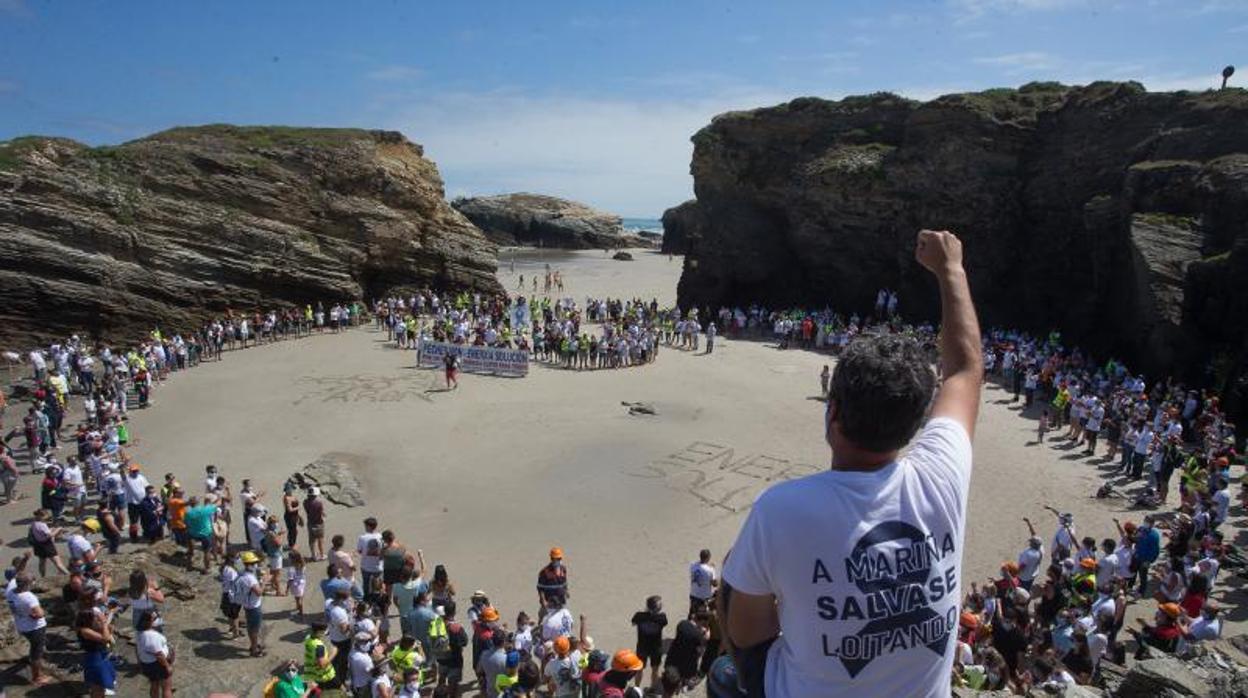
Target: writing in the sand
361, 388
718, 477
897, 578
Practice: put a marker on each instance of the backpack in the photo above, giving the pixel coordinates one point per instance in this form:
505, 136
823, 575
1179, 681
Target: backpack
439, 639
569, 675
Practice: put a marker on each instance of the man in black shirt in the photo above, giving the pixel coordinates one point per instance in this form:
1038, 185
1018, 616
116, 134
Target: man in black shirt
650, 624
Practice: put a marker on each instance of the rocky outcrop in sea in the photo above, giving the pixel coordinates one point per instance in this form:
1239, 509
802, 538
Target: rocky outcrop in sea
1118, 215
546, 221
179, 226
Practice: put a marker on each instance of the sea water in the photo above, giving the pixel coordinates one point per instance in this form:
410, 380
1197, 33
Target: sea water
636, 225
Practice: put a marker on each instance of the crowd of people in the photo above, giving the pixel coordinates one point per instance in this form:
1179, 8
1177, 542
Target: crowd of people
98, 502
1051, 617
558, 332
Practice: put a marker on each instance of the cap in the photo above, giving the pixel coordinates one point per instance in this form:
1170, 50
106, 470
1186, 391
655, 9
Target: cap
513, 659
439, 610
314, 492
626, 660
363, 637
1170, 609
556, 553
478, 594
91, 524
134, 467
1087, 563
562, 646
489, 615
249, 558
968, 620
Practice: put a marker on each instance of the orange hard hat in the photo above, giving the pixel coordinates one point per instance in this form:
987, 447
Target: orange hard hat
626, 660
556, 553
968, 620
490, 614
562, 646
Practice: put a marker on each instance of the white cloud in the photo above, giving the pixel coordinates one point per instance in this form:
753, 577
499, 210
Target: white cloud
1021, 62
395, 73
630, 156
966, 10
1173, 82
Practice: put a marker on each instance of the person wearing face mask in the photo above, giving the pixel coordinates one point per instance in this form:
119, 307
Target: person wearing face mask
411, 684
291, 685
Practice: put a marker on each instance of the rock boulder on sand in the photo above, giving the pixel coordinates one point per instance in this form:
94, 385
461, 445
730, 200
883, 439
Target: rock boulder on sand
1113, 213
546, 221
170, 229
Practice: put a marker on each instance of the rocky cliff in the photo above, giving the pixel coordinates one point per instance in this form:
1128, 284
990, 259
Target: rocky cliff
546, 221
172, 228
1115, 214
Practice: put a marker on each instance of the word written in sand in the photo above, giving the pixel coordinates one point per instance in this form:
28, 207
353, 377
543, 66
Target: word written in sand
362, 388
720, 478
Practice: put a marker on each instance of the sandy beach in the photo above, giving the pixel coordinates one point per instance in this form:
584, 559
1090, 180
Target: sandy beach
487, 478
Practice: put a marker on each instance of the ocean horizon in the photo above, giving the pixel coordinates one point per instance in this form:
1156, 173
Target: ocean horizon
652, 225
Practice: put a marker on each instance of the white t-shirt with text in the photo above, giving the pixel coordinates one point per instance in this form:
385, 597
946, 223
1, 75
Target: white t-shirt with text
865, 569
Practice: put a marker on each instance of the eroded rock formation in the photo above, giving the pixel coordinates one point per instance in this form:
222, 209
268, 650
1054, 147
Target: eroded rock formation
1115, 214
546, 221
169, 229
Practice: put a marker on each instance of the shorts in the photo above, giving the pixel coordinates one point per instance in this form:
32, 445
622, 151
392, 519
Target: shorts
254, 619
651, 652
154, 671
228, 607
38, 640
275, 562
297, 588
133, 513
45, 550
204, 543
391, 576
316, 531
180, 536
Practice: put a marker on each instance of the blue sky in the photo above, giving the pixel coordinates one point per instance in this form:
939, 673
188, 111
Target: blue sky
591, 100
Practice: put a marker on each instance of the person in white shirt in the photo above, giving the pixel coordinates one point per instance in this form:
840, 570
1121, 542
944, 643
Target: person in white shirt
249, 595
31, 622
155, 659
816, 552
82, 550
134, 487
702, 582
1107, 564
1207, 627
1029, 560
360, 663
74, 484
368, 546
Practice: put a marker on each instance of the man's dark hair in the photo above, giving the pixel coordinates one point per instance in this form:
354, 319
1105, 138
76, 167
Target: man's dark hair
881, 390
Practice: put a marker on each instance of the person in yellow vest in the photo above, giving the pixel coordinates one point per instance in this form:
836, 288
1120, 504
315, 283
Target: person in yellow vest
406, 655
318, 658
510, 676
